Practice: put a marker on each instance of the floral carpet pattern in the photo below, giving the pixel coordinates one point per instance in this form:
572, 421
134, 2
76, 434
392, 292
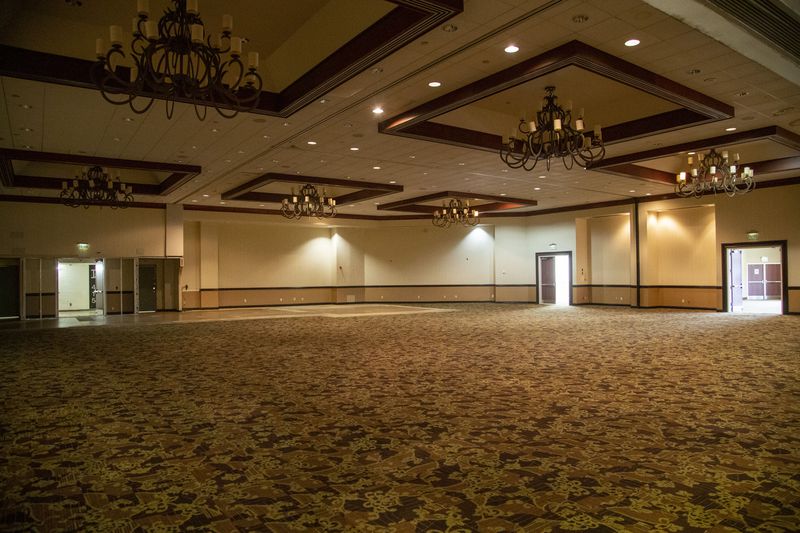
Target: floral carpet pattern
487, 418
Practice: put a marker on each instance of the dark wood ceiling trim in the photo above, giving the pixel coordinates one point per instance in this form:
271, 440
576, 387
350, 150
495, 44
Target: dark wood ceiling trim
407, 21
773, 133
625, 165
629, 170
180, 173
6, 173
696, 108
496, 203
365, 189
56, 200
39, 182
580, 207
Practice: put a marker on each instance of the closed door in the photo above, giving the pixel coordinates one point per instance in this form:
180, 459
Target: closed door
735, 262
772, 280
9, 290
147, 288
755, 281
547, 280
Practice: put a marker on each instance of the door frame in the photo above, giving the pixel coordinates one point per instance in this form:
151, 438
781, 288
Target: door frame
782, 244
568, 253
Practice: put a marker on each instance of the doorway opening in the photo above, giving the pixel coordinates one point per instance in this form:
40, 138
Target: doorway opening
754, 277
9, 289
554, 278
80, 287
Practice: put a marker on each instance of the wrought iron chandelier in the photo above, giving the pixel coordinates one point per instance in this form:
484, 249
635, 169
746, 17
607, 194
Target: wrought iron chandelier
456, 212
551, 135
714, 173
96, 187
312, 205
176, 59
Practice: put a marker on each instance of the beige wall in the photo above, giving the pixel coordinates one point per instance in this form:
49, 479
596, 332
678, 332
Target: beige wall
679, 244
610, 250
46, 230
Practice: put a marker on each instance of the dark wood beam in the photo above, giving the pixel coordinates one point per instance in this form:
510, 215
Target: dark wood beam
88, 160
630, 170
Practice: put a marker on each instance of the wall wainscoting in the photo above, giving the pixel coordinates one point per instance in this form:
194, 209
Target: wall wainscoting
794, 300
267, 296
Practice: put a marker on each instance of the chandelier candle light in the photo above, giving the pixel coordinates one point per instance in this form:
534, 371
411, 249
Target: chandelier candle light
456, 212
176, 59
714, 173
312, 205
96, 187
551, 135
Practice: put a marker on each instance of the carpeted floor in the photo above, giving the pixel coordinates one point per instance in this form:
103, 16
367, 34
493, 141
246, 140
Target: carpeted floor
487, 418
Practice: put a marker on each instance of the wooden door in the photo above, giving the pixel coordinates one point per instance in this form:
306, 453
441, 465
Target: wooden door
547, 277
755, 281
772, 281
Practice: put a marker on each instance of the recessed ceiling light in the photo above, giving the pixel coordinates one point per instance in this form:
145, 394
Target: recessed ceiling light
647, 194
632, 190
377, 110
632, 42
511, 49
287, 123
27, 146
502, 194
461, 164
377, 203
730, 129
323, 101
194, 147
128, 119
434, 84
265, 136
26, 106
393, 181
354, 148
693, 71
222, 203
214, 130
312, 143
240, 152
412, 157
26, 129
537, 188
580, 19
205, 196
376, 167
194, 201
690, 153
260, 205
542, 177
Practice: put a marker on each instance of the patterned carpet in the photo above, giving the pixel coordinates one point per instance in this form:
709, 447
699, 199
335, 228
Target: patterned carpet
488, 418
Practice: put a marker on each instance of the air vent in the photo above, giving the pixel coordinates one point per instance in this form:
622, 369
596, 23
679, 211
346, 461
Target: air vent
771, 20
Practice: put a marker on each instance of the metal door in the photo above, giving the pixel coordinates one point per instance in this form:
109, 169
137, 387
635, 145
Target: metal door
547, 279
735, 269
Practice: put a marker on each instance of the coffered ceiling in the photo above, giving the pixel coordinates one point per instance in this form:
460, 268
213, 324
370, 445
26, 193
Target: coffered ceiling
463, 48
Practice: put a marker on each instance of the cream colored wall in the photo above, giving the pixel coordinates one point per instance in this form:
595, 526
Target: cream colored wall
610, 249
269, 256
513, 260
190, 275
679, 244
429, 256
54, 230
774, 213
